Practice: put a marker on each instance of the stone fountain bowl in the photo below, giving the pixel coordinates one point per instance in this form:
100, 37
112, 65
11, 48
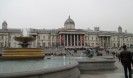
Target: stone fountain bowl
24, 39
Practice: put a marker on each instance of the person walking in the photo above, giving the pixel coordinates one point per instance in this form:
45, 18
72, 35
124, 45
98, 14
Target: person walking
126, 60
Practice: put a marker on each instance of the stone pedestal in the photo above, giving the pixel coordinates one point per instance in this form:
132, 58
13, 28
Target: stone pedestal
23, 53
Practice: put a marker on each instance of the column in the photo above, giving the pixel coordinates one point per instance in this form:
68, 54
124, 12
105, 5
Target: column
64, 39
101, 42
77, 40
84, 40
51, 44
87, 40
74, 39
60, 39
107, 42
4, 41
67, 39
70, 40
80, 40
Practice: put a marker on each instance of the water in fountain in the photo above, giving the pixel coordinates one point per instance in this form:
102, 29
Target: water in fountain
25, 32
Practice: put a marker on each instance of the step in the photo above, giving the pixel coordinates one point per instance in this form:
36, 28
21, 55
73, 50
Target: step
24, 52
22, 57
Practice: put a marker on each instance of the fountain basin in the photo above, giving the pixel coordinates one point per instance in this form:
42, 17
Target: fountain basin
95, 64
54, 67
46, 68
24, 39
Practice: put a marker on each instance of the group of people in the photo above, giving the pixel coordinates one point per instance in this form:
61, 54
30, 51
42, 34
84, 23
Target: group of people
126, 59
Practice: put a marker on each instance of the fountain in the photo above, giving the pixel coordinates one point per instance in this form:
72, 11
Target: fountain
17, 63
24, 52
24, 41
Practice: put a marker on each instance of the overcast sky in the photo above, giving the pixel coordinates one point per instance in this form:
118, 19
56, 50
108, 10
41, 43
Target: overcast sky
51, 14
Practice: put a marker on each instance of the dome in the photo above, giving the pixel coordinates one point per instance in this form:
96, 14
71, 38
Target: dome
69, 23
119, 27
4, 25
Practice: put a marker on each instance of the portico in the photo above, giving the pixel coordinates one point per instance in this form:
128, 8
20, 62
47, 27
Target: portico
104, 40
72, 39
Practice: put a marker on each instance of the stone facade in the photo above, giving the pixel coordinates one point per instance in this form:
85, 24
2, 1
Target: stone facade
68, 37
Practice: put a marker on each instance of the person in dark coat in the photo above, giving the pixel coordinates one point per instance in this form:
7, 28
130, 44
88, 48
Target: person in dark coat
126, 60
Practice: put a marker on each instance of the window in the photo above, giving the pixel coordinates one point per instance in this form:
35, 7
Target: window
44, 37
9, 37
52, 37
114, 44
38, 44
1, 37
118, 44
0, 44
9, 44
49, 37
85, 44
43, 44
92, 44
39, 37
48, 44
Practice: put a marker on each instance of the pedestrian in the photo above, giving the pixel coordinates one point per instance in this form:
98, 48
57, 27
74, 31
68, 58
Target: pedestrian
126, 60
113, 53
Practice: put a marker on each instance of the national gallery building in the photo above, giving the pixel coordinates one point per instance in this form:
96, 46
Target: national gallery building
67, 36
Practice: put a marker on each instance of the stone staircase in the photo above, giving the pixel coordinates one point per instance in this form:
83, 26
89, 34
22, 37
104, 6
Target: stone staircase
23, 53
